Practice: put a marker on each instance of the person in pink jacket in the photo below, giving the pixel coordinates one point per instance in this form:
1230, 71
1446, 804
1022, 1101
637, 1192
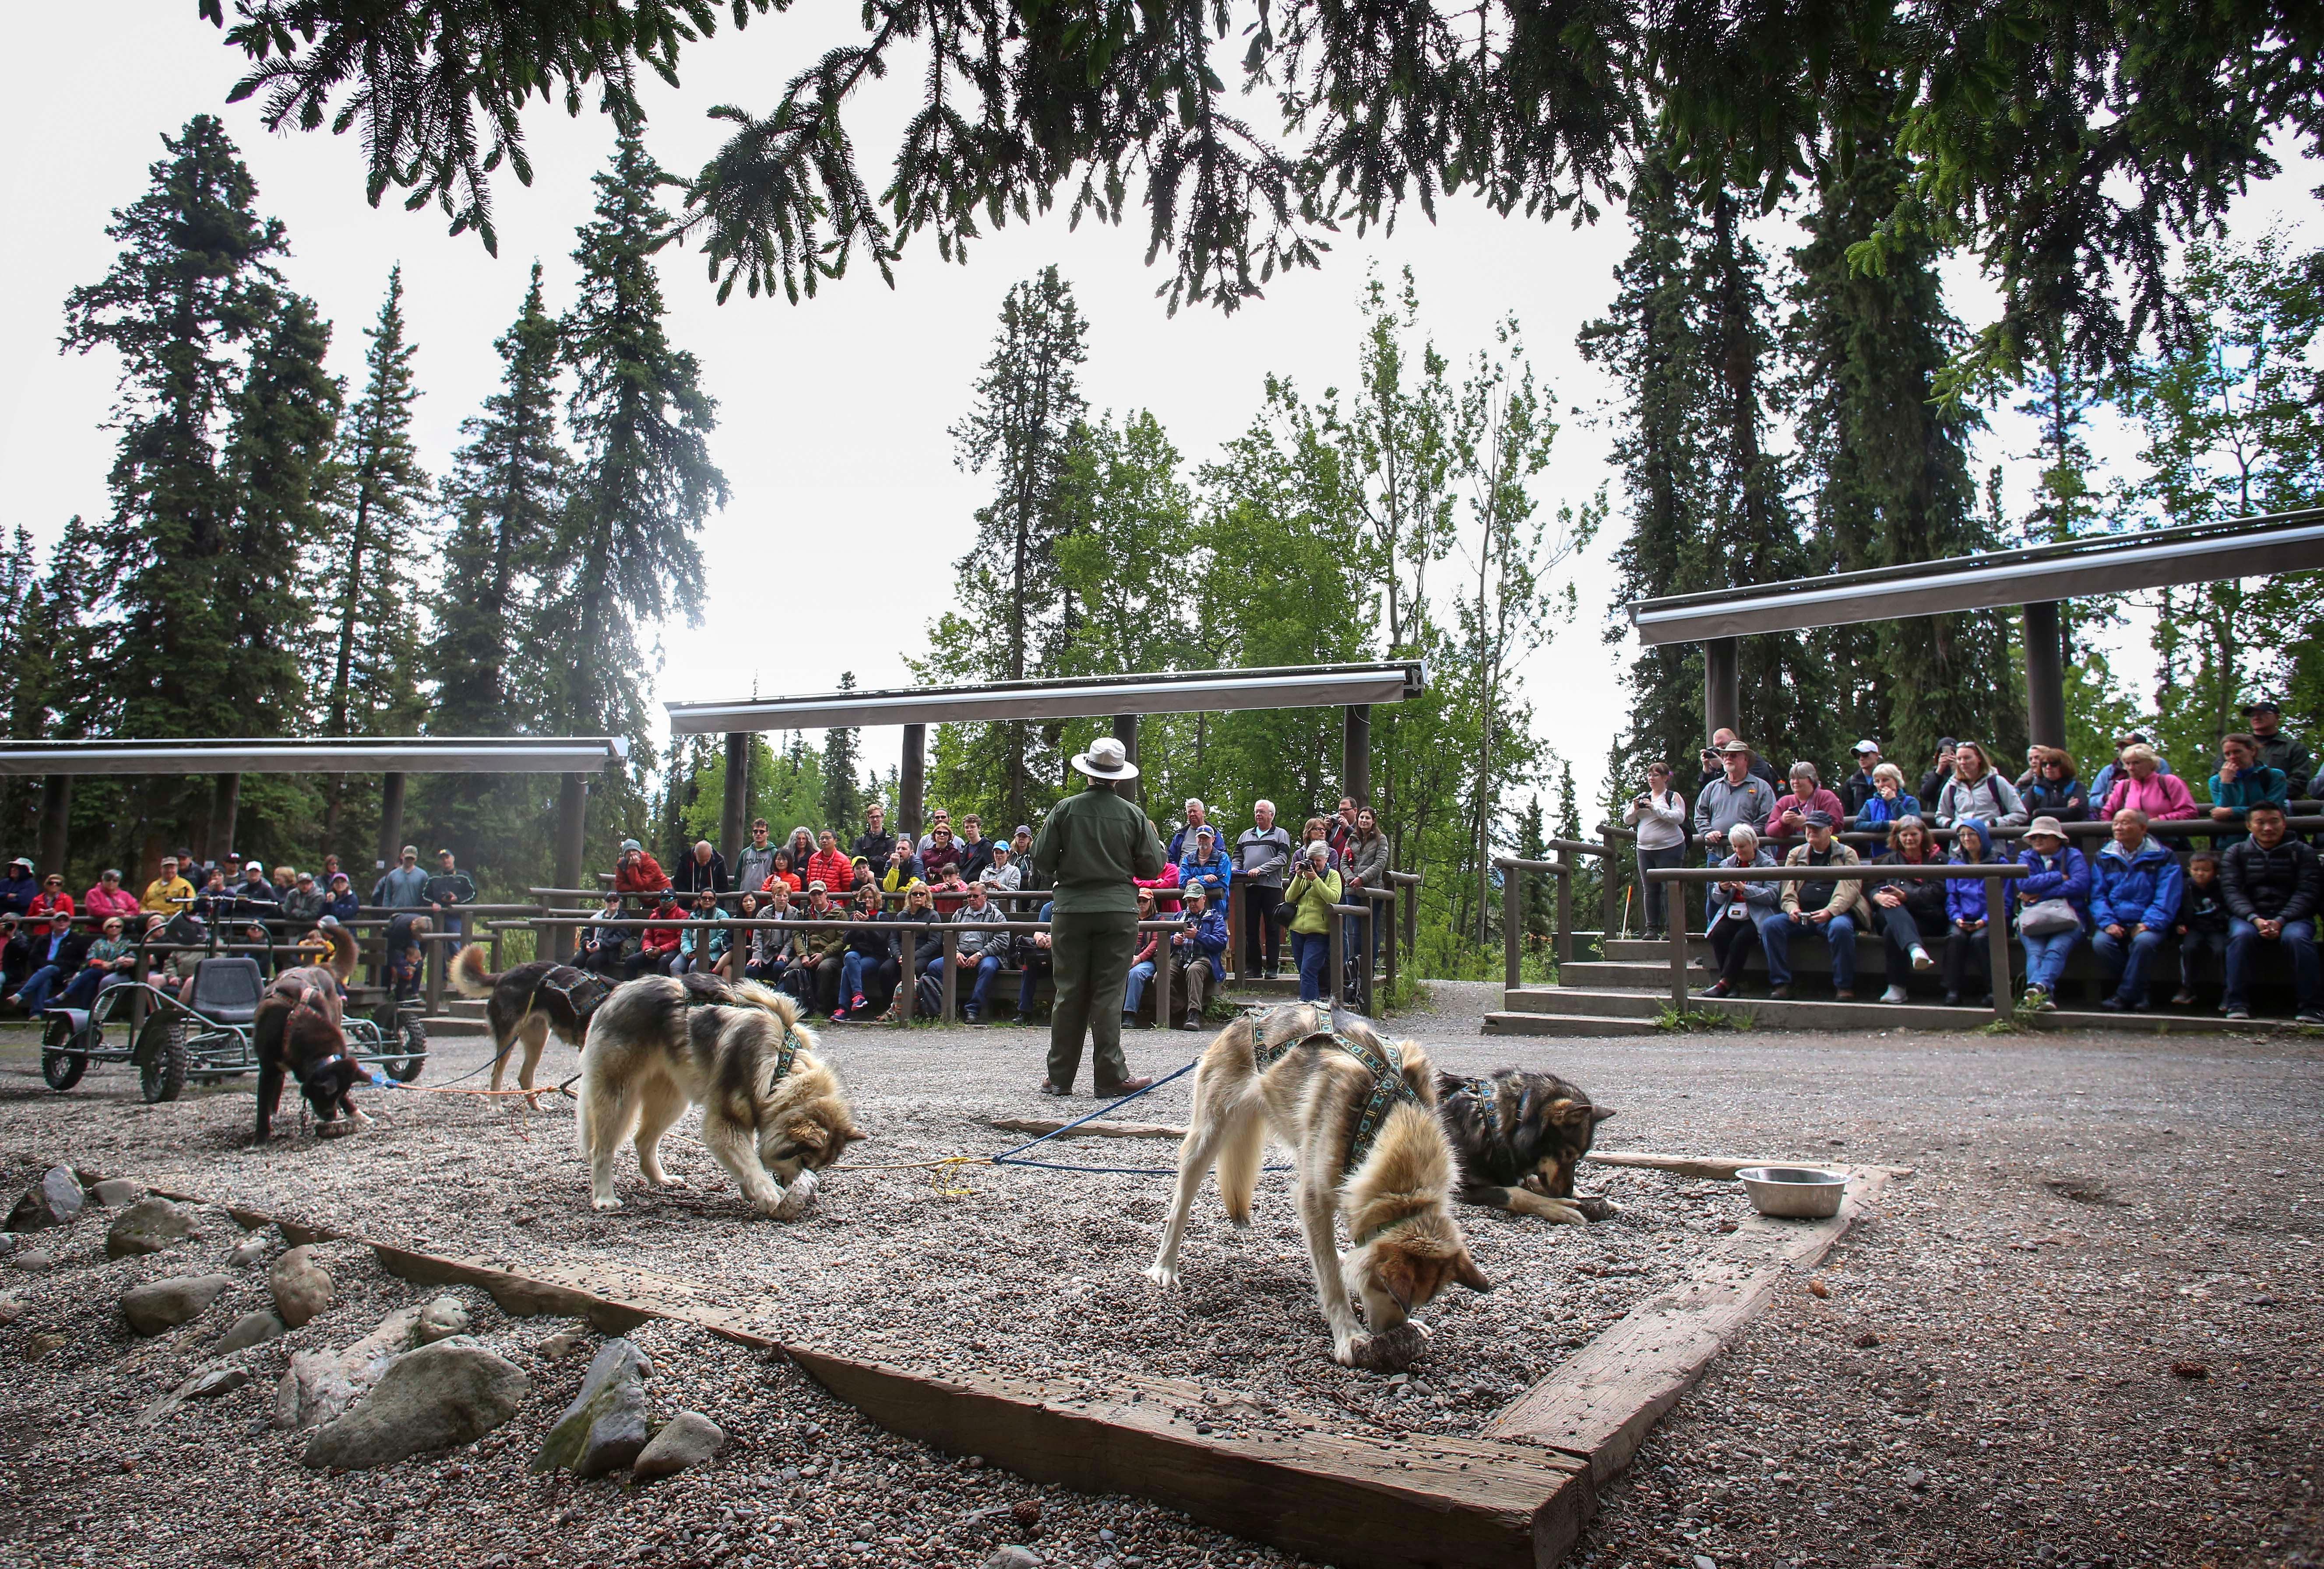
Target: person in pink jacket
2162, 797
109, 898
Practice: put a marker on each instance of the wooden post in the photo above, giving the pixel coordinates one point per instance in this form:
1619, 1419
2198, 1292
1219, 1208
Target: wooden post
1161, 980
1609, 882
1565, 865
734, 808
1512, 923
1125, 730
1392, 943
572, 844
1678, 948
911, 776
1996, 952
390, 818
1336, 936
951, 938
908, 982
56, 823
1356, 752
1234, 939
1412, 919
1722, 692
226, 800
1372, 913
2045, 676
434, 954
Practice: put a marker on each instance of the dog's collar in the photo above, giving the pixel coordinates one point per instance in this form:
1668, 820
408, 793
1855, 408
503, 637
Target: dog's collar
1381, 1230
318, 1067
784, 1056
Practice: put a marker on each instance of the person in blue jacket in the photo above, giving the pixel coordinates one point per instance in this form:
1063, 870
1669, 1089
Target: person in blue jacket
1972, 904
2135, 886
1204, 862
19, 887
2053, 869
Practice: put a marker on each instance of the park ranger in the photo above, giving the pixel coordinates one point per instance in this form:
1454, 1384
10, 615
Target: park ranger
1089, 848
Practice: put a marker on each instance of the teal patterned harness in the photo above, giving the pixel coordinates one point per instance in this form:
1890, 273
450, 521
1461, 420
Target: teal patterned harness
1389, 1085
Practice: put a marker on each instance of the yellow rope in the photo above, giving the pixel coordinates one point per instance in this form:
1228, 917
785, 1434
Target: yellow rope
942, 1165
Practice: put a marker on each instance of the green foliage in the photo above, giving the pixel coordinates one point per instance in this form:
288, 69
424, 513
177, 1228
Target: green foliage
841, 797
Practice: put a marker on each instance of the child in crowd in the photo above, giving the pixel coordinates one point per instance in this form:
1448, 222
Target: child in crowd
2202, 927
1972, 904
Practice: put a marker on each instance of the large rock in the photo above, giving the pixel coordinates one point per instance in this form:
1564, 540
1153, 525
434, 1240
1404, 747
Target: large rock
684, 1440
449, 1393
604, 1428
113, 1192
151, 1225
441, 1319
251, 1329
160, 1305
319, 1385
52, 1201
301, 1287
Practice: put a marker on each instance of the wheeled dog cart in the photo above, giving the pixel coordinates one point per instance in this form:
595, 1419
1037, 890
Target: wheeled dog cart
207, 1037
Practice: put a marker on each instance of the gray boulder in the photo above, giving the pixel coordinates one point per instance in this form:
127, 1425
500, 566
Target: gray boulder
301, 1287
251, 1329
685, 1442
160, 1305
116, 1191
450, 1393
52, 1201
319, 1385
604, 1428
441, 1319
246, 1252
151, 1225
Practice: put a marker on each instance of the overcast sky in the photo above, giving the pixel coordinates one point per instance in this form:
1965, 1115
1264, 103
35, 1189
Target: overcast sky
833, 413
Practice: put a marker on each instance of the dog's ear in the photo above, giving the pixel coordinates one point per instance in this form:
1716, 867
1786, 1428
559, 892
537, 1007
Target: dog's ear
1599, 1113
809, 1134
855, 1135
1465, 1270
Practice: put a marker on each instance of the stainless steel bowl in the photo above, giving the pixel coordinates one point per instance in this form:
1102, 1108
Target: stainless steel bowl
1793, 1192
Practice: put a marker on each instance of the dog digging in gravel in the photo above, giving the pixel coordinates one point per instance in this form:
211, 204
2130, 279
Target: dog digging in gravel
1520, 1137
773, 1112
528, 1003
298, 1030
1360, 1116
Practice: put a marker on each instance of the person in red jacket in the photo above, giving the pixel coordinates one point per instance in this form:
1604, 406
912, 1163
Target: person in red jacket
52, 900
660, 943
830, 866
639, 872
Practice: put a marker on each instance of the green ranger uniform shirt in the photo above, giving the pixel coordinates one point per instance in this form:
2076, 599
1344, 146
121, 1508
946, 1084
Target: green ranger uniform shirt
1090, 846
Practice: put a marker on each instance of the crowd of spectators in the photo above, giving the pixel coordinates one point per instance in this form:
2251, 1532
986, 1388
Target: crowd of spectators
884, 896
2236, 884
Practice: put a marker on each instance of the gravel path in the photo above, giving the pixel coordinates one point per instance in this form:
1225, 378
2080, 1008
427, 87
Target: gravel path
1989, 1380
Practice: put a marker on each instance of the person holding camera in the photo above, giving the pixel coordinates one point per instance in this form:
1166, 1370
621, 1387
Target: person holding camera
1196, 967
1313, 889
1714, 765
1659, 815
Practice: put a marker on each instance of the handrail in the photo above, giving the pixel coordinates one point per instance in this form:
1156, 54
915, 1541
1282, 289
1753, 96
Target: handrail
1996, 932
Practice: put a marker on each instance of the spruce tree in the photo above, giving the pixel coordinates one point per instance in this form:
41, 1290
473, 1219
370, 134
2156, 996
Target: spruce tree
1021, 426
842, 792
505, 493
625, 554
193, 278
278, 468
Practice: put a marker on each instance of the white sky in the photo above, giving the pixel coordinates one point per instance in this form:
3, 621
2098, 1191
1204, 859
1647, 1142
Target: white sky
833, 413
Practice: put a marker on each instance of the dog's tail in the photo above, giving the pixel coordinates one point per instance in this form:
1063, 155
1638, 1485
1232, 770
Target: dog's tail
469, 976
344, 952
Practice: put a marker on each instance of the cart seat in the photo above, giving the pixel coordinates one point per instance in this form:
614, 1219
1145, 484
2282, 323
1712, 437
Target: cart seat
226, 989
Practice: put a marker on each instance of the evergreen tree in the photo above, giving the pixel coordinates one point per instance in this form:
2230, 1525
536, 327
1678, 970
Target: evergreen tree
278, 468
842, 793
1892, 485
192, 278
1538, 905
626, 555
1021, 426
505, 491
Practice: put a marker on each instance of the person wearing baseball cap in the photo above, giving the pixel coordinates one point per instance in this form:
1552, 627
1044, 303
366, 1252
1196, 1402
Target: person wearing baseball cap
1835, 911
2264, 722
403, 886
1859, 787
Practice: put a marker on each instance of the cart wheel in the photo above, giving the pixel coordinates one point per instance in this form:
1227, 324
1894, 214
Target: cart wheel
162, 1062
403, 1029
60, 1068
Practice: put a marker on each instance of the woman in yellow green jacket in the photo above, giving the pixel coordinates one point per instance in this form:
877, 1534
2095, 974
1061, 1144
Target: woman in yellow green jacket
1315, 889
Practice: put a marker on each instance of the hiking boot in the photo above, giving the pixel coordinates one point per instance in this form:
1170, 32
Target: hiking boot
1126, 1087
2183, 998
1843, 996
1717, 988
1779, 994
1048, 1088
1952, 998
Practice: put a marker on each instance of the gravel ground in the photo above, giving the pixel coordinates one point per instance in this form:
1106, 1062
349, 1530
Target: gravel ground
1989, 1378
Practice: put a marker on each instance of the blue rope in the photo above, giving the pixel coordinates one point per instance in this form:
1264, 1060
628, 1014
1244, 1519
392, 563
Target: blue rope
1009, 1158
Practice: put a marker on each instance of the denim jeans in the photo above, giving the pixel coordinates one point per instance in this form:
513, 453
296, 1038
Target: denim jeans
85, 987
2126, 960
1657, 894
1777, 930
37, 988
1037, 965
850, 977
2244, 944
980, 991
2046, 953
2202, 958
1133, 991
1313, 950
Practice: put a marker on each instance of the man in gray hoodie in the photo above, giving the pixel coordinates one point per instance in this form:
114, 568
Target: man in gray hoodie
756, 862
1262, 855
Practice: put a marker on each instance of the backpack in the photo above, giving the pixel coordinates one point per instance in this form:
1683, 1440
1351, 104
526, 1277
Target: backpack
928, 997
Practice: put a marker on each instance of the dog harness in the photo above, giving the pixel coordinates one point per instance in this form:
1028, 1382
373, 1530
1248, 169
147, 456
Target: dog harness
1487, 1094
1388, 1086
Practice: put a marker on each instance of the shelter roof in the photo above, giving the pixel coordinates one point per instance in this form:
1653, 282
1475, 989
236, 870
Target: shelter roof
311, 754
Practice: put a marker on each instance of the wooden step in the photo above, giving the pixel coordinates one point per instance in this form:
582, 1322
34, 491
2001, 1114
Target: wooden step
454, 1027
1620, 1006
1634, 974
465, 1006
1640, 951
1622, 1001
1566, 1024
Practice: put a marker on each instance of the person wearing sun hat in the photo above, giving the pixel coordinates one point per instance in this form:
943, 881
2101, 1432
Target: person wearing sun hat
1089, 848
2057, 875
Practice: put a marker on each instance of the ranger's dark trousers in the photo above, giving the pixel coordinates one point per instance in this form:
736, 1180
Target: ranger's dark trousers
1091, 950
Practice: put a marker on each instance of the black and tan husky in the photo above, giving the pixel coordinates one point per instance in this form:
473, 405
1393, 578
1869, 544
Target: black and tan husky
530, 1002
1299, 1074
1519, 1137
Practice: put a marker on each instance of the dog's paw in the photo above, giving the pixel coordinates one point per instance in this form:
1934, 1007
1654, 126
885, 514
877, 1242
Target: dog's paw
602, 1205
1166, 1276
1345, 1351
797, 1197
665, 1180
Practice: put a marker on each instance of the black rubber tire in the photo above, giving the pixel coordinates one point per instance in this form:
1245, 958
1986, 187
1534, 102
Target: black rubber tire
162, 1065
60, 1069
406, 1030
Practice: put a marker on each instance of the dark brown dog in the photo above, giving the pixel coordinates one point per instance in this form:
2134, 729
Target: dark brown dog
300, 1030
1519, 1137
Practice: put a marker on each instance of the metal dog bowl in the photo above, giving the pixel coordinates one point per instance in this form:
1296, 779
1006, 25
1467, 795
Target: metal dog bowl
1793, 1192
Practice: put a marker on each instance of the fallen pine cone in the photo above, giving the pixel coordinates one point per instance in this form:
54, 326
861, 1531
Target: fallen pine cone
2190, 1369
1817, 1288
1026, 1512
